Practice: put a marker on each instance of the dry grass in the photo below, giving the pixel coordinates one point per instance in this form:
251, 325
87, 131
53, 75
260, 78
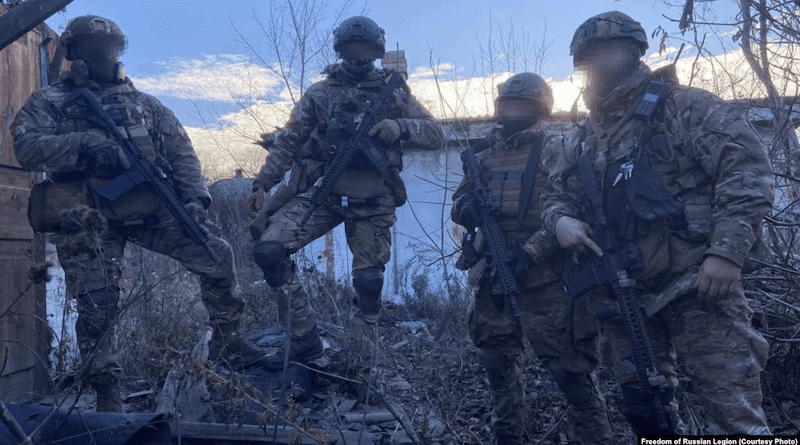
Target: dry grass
163, 318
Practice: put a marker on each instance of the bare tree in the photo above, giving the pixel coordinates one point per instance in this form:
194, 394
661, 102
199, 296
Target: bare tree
752, 54
294, 46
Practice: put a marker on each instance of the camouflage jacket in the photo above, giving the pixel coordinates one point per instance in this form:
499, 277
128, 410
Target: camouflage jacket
323, 101
712, 158
48, 137
503, 169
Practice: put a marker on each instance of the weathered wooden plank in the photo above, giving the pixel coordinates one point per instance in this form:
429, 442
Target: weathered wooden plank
23, 325
23, 329
25, 16
13, 219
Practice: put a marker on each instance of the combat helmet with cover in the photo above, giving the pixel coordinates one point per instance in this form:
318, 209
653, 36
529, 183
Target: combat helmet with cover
607, 26
530, 87
359, 37
95, 27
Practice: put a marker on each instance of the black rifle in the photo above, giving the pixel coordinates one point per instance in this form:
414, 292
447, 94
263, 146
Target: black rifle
141, 172
358, 142
612, 269
494, 237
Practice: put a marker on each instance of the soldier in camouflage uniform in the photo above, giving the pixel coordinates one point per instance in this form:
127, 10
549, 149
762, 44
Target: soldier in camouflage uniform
364, 198
80, 159
515, 164
693, 203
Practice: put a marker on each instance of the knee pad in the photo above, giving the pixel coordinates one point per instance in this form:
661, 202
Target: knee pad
637, 406
271, 257
97, 310
498, 368
494, 361
577, 388
368, 281
368, 284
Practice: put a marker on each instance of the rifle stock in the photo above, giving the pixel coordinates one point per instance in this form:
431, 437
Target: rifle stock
142, 171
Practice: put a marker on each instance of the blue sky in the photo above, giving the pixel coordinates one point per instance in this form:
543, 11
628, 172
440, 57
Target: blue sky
188, 55
163, 34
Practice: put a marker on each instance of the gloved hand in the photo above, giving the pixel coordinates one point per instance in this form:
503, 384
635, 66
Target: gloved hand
107, 156
521, 261
256, 199
197, 209
469, 213
574, 234
387, 130
717, 278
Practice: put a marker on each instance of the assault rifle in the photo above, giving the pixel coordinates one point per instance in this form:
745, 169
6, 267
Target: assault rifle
612, 269
358, 142
494, 237
141, 172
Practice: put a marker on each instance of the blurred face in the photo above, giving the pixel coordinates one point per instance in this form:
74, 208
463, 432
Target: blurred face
358, 58
516, 115
101, 56
604, 64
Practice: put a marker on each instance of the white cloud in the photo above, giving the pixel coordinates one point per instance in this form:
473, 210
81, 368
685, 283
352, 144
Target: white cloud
442, 89
217, 78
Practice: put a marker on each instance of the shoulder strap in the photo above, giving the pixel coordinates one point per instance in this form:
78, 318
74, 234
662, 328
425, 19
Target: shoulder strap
529, 178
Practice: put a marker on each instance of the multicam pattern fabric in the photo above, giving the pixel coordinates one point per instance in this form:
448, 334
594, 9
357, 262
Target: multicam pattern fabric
559, 329
369, 212
713, 153
50, 138
336, 95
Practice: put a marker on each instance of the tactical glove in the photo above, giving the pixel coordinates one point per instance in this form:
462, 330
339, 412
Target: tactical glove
388, 131
521, 261
107, 156
196, 208
468, 211
256, 200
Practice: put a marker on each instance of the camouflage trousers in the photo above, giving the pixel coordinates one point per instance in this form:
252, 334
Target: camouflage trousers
369, 238
717, 346
564, 338
91, 258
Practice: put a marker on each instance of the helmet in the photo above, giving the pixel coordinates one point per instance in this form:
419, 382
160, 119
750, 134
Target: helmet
94, 27
527, 86
607, 26
360, 30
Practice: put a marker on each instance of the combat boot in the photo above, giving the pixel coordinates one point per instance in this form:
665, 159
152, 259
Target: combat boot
364, 334
306, 350
108, 399
228, 346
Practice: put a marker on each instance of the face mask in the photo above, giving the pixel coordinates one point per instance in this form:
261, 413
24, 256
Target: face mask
511, 126
358, 68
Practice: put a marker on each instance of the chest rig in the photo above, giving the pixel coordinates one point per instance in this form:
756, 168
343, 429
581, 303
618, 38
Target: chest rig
511, 174
345, 108
132, 118
655, 181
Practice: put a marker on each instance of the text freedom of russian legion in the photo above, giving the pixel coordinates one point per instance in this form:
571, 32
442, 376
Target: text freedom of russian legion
718, 440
